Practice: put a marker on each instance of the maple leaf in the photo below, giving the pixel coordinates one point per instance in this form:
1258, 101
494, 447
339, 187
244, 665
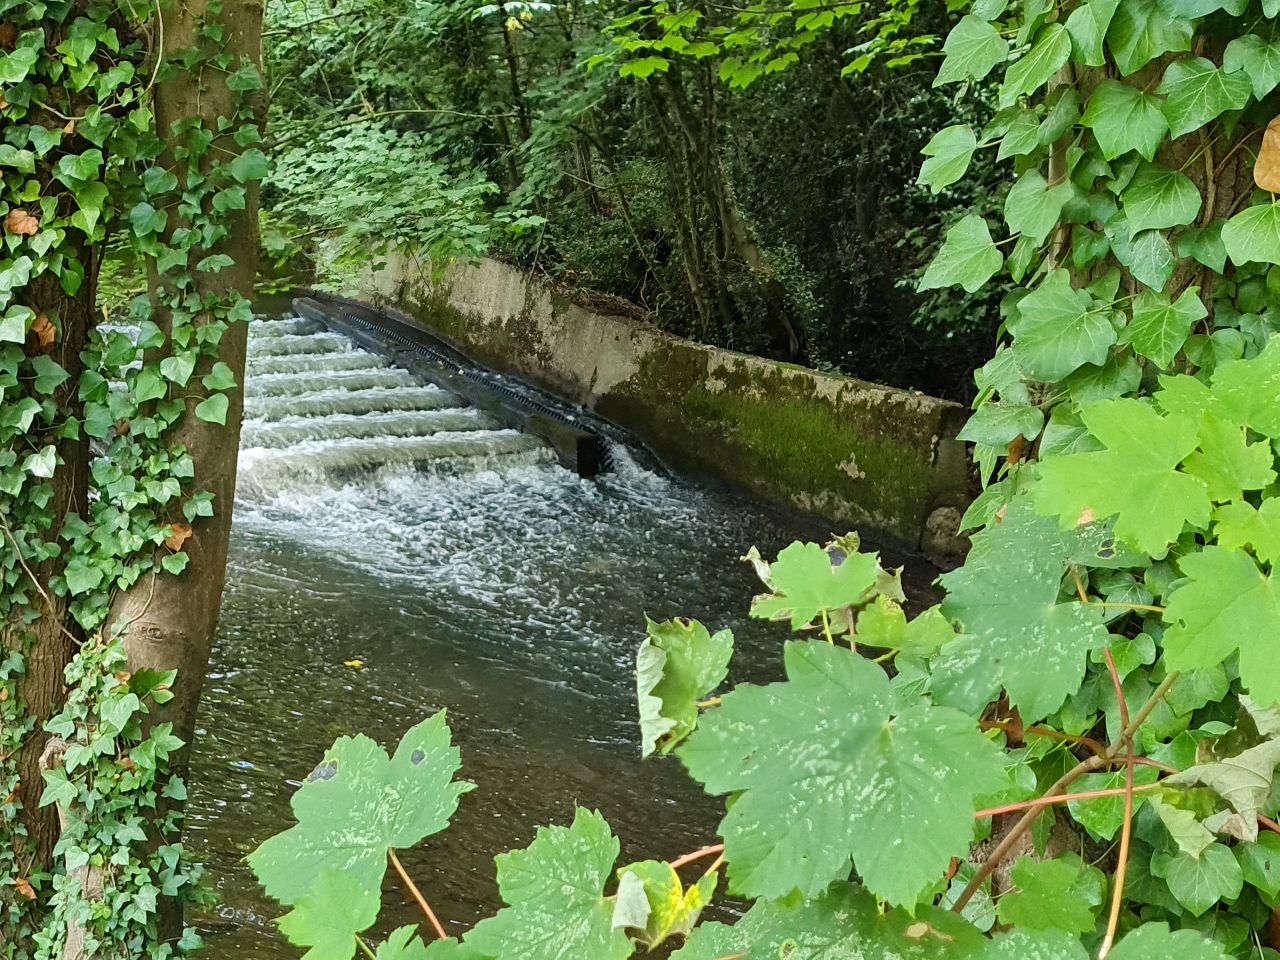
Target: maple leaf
806, 582
678, 663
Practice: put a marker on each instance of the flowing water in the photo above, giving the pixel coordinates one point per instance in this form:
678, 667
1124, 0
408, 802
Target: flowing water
396, 552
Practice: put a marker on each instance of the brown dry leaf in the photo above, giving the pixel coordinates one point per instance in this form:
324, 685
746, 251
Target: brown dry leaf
70, 128
1266, 169
123, 675
21, 223
44, 332
8, 35
23, 886
180, 535
4, 104
122, 428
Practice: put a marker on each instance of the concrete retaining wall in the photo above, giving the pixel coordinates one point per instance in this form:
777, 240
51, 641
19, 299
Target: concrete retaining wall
862, 456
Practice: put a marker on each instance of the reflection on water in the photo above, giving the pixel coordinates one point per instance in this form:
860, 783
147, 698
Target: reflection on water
511, 593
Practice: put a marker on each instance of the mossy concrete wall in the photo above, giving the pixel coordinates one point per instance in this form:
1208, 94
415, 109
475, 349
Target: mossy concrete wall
863, 456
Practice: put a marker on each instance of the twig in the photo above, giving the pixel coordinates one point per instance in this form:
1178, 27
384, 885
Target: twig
155, 69
1126, 826
364, 947
697, 855
1063, 798
417, 895
53, 610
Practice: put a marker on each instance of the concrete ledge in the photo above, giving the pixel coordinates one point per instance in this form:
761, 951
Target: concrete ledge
863, 456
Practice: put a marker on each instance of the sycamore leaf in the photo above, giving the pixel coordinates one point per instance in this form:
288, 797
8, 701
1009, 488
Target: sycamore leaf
841, 923
1124, 118
806, 582
1227, 463
1017, 635
1197, 92
949, 153
882, 624
1245, 391
968, 257
1256, 59
1059, 329
1157, 198
1253, 235
1033, 69
1225, 604
1032, 207
358, 804
654, 904
1135, 479
1198, 883
328, 918
1061, 894
832, 777
555, 894
972, 49
1159, 327
677, 664
1240, 524
1141, 30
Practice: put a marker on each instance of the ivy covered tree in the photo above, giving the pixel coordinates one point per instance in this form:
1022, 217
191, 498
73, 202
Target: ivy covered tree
137, 128
1074, 754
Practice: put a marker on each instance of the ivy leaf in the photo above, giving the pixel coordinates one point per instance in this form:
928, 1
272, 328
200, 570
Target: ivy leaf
830, 774
213, 409
220, 377
1032, 71
677, 664
998, 423
949, 152
1227, 462
1256, 59
328, 918
1149, 257
1052, 895
1058, 329
968, 257
251, 165
1157, 198
806, 583
1196, 92
1088, 25
1032, 207
1102, 816
1191, 836
1135, 479
554, 889
1199, 883
1225, 604
358, 804
1141, 31
1155, 941
972, 49
49, 374
1159, 327
1253, 235
1240, 524
1260, 863
1244, 781
1124, 118
1204, 245
842, 923
1018, 636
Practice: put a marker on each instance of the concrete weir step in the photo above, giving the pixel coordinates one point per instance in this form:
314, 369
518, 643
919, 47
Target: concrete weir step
577, 446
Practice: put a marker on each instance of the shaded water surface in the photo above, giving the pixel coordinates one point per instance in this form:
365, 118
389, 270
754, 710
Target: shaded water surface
465, 570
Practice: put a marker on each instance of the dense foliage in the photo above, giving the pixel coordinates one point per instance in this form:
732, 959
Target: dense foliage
98, 492
746, 173
1074, 754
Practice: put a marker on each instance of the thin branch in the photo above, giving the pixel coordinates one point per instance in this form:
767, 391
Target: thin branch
688, 858
1062, 798
1126, 827
417, 895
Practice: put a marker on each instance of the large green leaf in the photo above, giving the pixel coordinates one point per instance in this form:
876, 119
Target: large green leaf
1226, 605
555, 894
1196, 92
825, 774
1017, 635
1254, 235
358, 804
1142, 30
1241, 524
968, 257
1159, 327
1157, 198
1124, 118
1059, 329
1135, 479
1062, 894
329, 916
1032, 71
972, 49
1227, 462
1155, 941
679, 663
1088, 25
1199, 883
949, 153
1256, 59
1032, 207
